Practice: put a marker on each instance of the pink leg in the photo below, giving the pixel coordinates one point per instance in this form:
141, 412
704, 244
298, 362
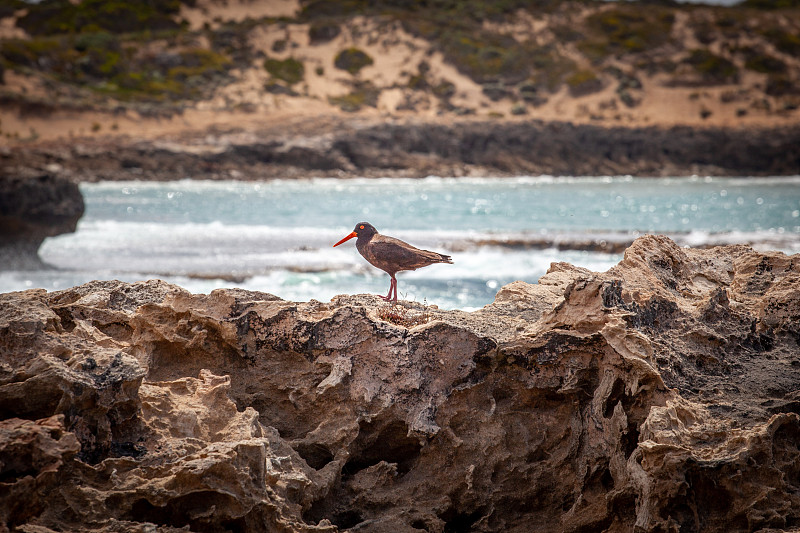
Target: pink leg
388, 295
392, 288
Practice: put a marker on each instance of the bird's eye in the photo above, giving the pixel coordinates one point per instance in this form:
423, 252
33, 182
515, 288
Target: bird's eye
361, 227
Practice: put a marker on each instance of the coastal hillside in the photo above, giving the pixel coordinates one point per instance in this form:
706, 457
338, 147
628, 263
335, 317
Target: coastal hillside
144, 69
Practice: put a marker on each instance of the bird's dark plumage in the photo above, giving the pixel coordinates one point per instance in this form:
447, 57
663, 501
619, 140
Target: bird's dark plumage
391, 255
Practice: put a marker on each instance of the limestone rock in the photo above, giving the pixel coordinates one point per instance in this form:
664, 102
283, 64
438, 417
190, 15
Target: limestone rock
32, 453
662, 395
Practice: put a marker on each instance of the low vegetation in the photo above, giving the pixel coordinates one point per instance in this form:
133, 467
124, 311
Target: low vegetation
106, 63
584, 82
406, 316
764, 63
323, 32
628, 29
352, 60
289, 70
55, 17
363, 94
712, 68
141, 50
785, 41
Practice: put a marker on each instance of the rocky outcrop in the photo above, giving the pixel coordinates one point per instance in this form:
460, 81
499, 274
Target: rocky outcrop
341, 147
662, 395
34, 206
535, 147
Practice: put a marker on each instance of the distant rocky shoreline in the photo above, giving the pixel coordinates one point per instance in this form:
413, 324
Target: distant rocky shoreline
359, 148
39, 196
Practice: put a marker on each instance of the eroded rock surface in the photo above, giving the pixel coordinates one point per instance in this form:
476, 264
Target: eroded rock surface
662, 395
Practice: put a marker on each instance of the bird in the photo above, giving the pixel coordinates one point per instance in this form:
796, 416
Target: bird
391, 255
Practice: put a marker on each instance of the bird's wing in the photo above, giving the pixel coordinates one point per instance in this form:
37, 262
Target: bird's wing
402, 255
394, 252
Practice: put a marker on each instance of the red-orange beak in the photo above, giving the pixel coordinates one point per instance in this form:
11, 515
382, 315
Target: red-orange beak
346, 239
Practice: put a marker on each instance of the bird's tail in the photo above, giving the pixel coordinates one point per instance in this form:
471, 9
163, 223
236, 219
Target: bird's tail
435, 257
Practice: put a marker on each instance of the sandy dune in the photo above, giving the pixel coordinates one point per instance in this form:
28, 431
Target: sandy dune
399, 58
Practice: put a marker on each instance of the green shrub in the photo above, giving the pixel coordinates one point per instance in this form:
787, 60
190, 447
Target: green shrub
100, 63
629, 29
96, 40
289, 70
595, 51
105, 64
485, 57
27, 53
784, 41
550, 68
352, 60
55, 17
458, 31
782, 86
496, 91
444, 90
198, 63
477, 10
761, 62
565, 33
518, 109
583, 82
713, 68
705, 31
418, 82
280, 45
323, 32
363, 94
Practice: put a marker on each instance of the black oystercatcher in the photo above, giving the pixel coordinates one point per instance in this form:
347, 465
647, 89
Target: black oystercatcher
391, 255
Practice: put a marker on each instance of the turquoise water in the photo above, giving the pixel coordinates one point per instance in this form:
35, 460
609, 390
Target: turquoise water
496, 204
276, 236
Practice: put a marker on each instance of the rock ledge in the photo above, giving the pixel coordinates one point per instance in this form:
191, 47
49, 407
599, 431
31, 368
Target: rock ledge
661, 395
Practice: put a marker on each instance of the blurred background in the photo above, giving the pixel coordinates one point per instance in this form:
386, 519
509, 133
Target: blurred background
231, 143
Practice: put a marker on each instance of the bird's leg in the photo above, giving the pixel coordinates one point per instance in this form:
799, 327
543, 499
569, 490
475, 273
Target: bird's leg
388, 296
392, 288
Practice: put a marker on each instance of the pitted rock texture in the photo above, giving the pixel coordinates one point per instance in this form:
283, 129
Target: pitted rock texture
662, 395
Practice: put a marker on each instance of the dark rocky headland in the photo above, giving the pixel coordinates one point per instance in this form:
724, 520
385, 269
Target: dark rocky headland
33, 206
338, 147
662, 395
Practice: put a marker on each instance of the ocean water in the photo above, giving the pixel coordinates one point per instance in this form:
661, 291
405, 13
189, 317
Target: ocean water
277, 236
